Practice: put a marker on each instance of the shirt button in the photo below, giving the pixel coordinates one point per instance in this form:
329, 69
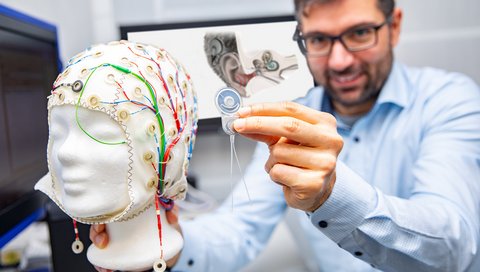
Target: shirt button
356, 139
323, 224
190, 262
358, 253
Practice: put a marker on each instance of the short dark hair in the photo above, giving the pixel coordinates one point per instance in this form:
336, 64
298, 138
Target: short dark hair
386, 6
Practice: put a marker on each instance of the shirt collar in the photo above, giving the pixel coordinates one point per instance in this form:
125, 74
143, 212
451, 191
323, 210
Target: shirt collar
397, 88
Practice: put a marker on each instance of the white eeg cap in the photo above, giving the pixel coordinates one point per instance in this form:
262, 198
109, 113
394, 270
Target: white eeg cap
151, 96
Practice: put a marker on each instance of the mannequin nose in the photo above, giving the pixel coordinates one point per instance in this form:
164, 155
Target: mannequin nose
340, 58
67, 152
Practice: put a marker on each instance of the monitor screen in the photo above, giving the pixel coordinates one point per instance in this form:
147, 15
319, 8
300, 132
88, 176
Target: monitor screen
255, 56
28, 66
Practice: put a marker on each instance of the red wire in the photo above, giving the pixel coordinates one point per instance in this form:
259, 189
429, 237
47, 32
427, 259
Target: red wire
76, 229
140, 72
159, 225
167, 153
137, 103
175, 116
183, 98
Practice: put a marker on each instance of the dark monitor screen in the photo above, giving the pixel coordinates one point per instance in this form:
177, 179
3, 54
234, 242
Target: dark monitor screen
28, 66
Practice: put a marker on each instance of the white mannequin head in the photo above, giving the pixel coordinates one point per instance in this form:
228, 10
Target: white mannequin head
122, 119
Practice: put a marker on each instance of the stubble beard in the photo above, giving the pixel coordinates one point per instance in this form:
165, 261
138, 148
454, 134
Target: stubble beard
370, 90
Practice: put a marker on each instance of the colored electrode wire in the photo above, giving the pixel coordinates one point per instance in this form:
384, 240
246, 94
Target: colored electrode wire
133, 101
76, 112
155, 110
159, 225
79, 60
77, 237
194, 130
163, 83
175, 114
126, 101
164, 152
170, 99
77, 245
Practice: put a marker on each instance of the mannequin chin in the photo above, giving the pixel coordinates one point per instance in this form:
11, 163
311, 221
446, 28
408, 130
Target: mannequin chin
122, 122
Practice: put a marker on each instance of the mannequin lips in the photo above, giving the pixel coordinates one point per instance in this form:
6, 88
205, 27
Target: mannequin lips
74, 178
73, 189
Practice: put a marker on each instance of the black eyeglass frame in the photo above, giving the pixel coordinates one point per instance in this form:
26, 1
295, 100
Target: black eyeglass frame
298, 37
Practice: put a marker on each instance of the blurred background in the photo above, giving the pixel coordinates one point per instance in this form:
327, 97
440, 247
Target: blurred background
438, 33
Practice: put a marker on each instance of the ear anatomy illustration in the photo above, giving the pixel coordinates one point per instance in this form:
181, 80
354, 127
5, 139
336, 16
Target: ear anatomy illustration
246, 72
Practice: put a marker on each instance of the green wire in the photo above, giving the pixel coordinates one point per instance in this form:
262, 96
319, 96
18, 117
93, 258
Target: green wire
155, 106
76, 113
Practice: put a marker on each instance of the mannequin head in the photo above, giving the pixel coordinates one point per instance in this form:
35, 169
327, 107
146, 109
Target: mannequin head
122, 121
248, 73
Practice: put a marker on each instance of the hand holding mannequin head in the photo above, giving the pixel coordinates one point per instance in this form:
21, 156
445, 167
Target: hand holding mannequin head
122, 120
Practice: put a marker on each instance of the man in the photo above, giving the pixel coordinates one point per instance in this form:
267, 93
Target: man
403, 193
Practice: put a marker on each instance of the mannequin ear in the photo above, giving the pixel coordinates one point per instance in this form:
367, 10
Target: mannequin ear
231, 67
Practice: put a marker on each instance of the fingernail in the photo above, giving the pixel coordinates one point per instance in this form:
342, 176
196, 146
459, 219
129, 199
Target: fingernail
99, 240
244, 111
239, 124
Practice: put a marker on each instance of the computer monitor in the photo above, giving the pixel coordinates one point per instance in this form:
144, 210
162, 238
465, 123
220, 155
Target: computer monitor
29, 64
270, 65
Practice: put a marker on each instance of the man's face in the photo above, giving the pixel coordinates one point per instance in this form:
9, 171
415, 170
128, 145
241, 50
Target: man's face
352, 79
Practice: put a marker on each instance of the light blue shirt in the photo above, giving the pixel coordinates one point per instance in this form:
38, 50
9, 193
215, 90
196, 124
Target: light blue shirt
406, 197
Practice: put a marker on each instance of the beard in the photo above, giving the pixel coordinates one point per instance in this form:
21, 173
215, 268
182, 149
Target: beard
376, 75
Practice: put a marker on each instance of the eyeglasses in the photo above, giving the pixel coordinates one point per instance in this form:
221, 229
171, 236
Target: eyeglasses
355, 39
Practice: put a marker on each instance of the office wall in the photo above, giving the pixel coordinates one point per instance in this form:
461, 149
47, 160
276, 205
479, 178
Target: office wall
195, 10
440, 33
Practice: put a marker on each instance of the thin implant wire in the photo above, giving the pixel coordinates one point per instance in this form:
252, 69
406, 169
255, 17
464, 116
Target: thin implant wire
232, 140
233, 153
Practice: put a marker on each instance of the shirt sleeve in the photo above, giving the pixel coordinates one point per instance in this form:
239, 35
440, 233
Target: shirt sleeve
437, 227
232, 236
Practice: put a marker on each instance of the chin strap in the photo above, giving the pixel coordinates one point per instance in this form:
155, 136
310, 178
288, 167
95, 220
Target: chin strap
77, 245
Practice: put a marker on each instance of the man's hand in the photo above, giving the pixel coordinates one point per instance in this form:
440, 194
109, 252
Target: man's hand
304, 145
99, 236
